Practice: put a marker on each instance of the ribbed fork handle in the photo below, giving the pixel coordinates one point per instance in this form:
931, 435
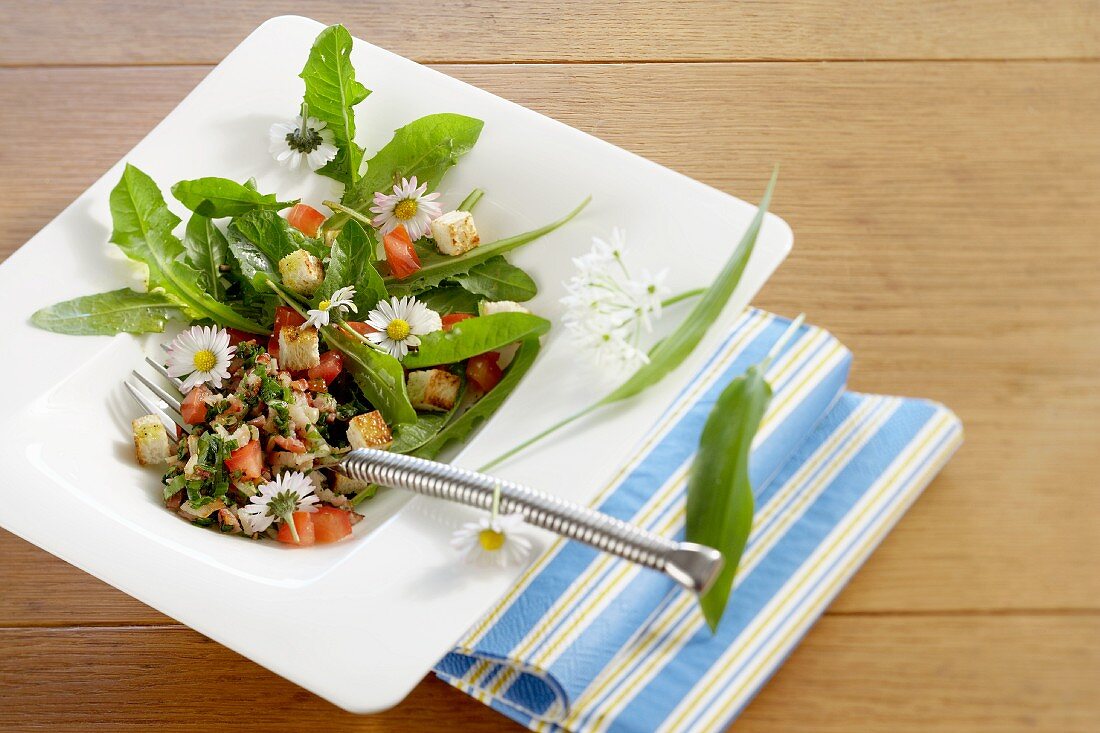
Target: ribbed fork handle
691, 565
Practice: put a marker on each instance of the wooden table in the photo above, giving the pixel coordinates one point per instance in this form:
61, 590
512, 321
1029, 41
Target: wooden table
941, 170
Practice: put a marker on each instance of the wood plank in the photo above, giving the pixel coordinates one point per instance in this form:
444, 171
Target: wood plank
107, 32
947, 235
874, 674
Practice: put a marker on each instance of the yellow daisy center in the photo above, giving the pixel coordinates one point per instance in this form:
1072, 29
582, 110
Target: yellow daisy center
398, 330
490, 539
205, 360
405, 209
325, 305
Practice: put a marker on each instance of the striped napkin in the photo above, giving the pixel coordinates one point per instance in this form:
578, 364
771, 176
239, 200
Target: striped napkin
586, 642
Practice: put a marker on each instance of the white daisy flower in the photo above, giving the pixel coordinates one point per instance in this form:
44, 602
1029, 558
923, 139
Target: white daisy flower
606, 309
290, 492
204, 353
342, 301
304, 139
492, 541
408, 205
399, 324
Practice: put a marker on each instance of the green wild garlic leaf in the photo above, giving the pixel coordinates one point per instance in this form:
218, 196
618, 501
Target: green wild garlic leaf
671, 352
475, 336
352, 264
143, 228
331, 94
719, 495
435, 267
207, 250
426, 148
105, 314
220, 197
449, 299
498, 279
379, 376
460, 428
271, 234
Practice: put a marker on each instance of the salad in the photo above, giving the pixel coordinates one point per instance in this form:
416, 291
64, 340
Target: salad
385, 322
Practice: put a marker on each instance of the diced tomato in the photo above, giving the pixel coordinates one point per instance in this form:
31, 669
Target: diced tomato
318, 385
332, 363
452, 318
303, 522
305, 219
237, 336
294, 445
273, 345
286, 316
193, 409
330, 524
360, 327
400, 253
483, 371
248, 459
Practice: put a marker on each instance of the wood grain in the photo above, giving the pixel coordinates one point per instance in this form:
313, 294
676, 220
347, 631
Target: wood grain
891, 675
946, 214
152, 32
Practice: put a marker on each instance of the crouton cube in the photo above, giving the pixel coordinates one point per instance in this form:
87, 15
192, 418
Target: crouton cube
348, 486
151, 441
489, 307
299, 348
455, 233
302, 272
433, 389
369, 430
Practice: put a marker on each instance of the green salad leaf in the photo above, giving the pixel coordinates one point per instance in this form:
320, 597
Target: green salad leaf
426, 148
220, 197
143, 231
207, 250
719, 495
475, 336
449, 299
498, 279
435, 267
352, 263
379, 376
272, 235
331, 93
252, 265
671, 352
105, 314
481, 410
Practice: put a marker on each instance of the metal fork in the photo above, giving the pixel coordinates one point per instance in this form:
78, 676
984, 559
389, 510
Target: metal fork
691, 565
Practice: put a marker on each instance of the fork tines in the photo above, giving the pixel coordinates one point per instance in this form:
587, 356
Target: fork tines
156, 400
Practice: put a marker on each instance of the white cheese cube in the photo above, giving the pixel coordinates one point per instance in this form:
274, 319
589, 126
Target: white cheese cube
369, 431
455, 233
489, 307
433, 389
299, 348
151, 441
302, 272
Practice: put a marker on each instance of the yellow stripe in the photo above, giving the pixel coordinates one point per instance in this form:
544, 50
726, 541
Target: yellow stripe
807, 572
763, 666
535, 636
856, 429
734, 349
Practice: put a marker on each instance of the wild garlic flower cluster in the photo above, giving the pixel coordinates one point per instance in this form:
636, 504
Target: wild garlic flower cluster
607, 309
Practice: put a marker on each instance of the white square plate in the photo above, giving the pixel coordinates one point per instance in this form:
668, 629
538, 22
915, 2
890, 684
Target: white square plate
358, 622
